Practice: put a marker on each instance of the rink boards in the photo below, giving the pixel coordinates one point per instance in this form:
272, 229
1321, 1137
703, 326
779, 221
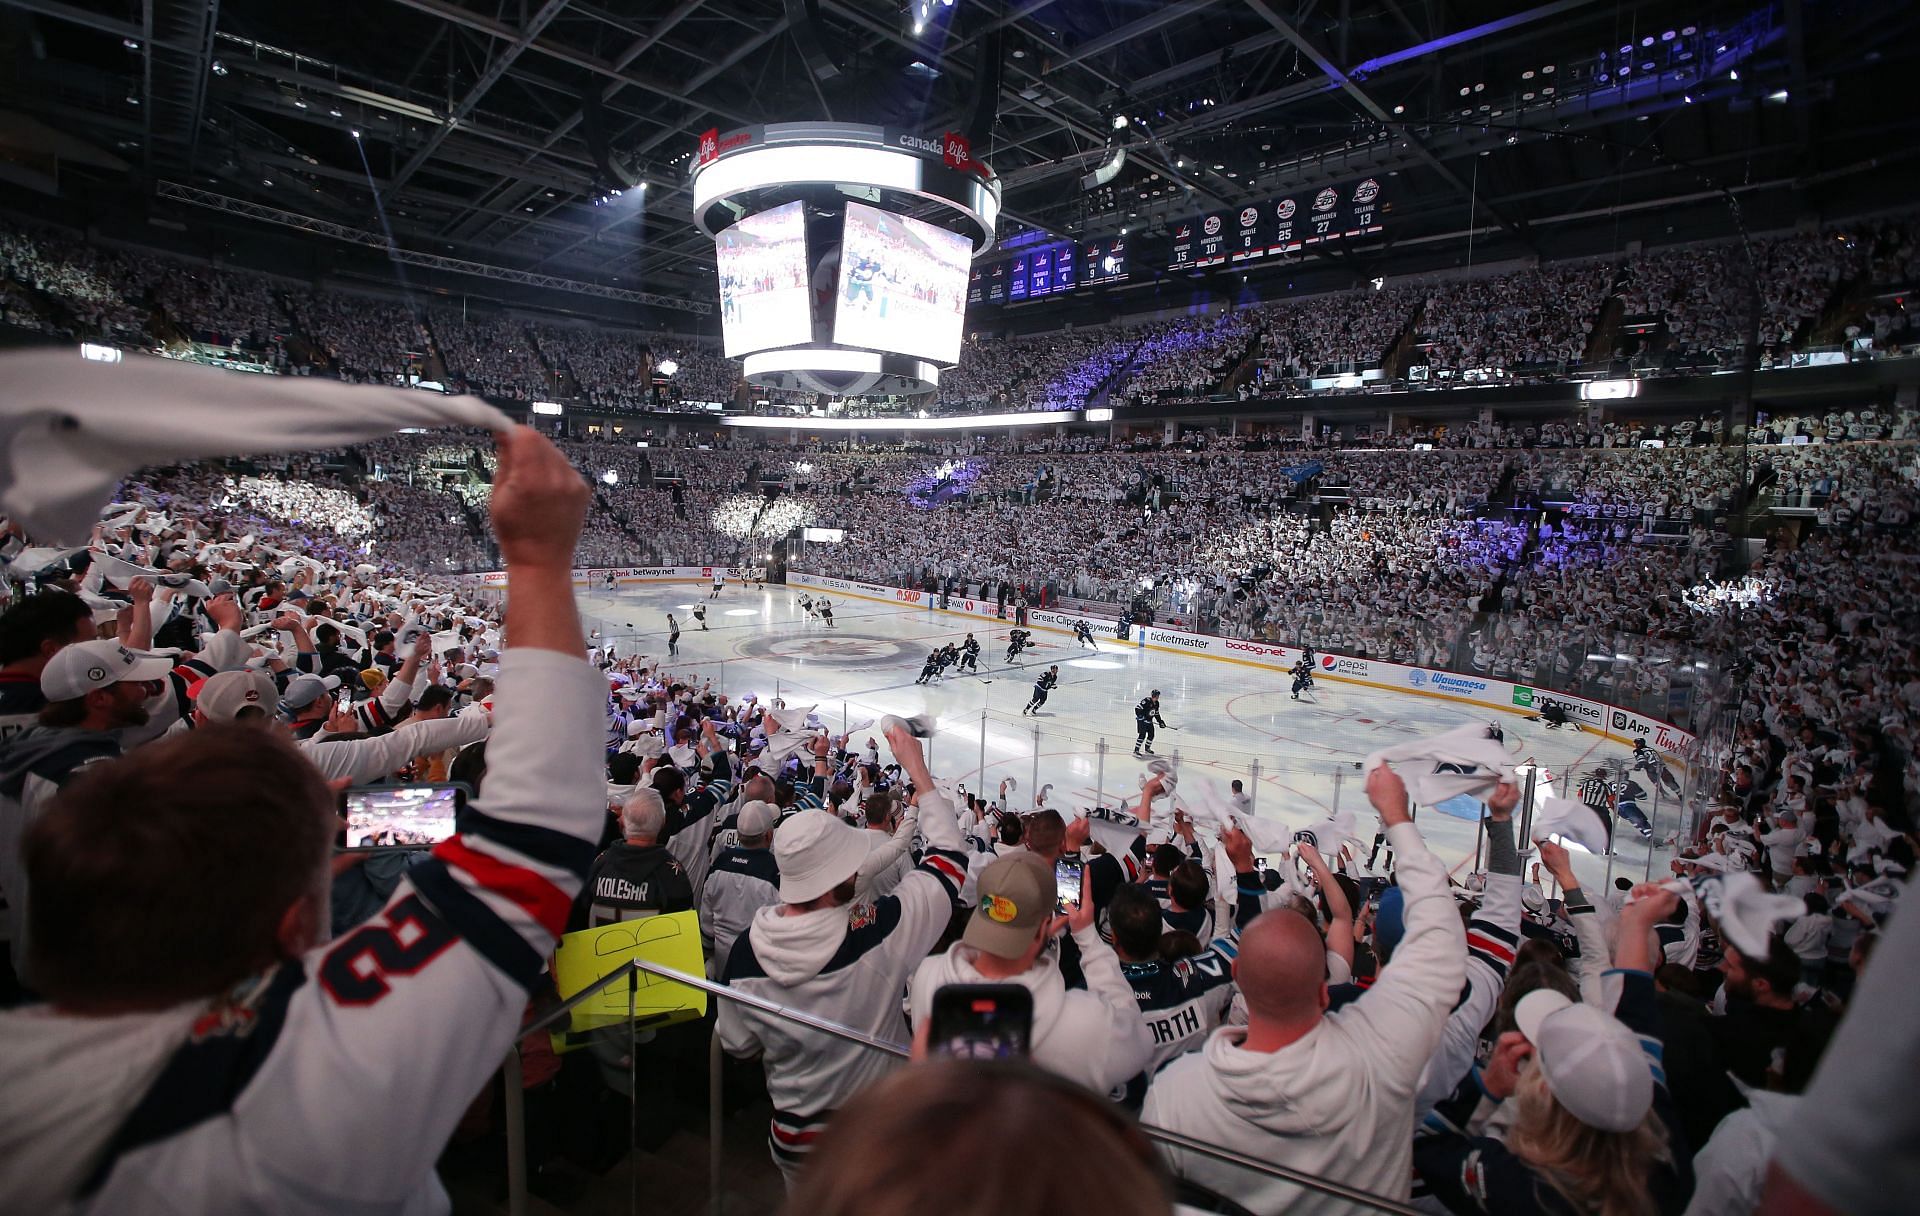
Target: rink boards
1610, 721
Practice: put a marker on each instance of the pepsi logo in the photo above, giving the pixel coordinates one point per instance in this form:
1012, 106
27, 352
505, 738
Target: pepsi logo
1249, 218
1366, 191
1285, 209
1327, 661
1325, 200
1212, 225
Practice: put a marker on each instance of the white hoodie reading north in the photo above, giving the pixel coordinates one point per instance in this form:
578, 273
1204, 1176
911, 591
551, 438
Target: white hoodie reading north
1337, 1102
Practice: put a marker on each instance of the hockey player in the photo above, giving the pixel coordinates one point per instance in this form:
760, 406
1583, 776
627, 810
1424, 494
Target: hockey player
930, 668
1648, 761
1303, 675
1083, 634
607, 583
823, 607
970, 655
1607, 796
719, 582
1017, 641
1048, 681
1146, 716
805, 602
1120, 627
700, 615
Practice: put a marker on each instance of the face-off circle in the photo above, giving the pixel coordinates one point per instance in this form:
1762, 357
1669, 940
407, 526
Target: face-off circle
851, 652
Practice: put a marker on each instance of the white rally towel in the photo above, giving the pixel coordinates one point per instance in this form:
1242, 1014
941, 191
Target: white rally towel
71, 430
121, 574
1571, 820
1328, 834
1461, 761
1745, 911
29, 562
1114, 831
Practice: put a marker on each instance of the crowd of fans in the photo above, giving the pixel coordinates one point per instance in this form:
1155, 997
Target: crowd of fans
364, 340
1510, 1038
1819, 287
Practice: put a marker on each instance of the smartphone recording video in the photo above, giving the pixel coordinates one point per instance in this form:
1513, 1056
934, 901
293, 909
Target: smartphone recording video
401, 816
981, 1022
1066, 885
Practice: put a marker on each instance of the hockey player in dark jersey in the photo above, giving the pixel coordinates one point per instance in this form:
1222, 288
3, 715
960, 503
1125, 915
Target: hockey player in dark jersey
930, 668
1648, 761
1146, 715
1048, 681
1017, 641
1608, 796
970, 654
1083, 634
1303, 675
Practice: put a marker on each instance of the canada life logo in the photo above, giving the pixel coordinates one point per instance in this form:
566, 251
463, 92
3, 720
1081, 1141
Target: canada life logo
709, 144
1325, 200
1249, 218
1366, 191
1213, 225
1285, 209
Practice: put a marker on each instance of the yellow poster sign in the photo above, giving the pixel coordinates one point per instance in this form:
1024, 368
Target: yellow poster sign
671, 941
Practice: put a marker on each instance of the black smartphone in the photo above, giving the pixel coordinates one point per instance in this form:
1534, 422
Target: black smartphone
1066, 885
400, 816
981, 1022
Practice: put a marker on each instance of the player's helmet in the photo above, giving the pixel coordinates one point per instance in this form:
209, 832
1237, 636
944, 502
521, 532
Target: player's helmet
1156, 692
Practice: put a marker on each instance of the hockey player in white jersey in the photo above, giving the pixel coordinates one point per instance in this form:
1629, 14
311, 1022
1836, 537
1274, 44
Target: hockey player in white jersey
203, 1048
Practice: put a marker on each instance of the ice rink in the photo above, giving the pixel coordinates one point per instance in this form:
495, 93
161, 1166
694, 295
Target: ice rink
1224, 719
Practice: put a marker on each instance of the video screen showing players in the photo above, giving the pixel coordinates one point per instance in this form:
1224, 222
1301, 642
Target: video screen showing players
763, 281
903, 285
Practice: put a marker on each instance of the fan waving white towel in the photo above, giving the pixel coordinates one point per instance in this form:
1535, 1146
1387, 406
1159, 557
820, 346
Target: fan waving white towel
71, 430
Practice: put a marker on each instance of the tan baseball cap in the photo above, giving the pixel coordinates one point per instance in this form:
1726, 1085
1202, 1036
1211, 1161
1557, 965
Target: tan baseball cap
1016, 895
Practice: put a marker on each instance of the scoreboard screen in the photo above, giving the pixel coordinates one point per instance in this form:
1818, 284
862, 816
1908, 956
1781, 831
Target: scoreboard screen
1277, 226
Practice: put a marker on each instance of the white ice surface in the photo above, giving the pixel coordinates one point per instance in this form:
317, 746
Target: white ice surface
1227, 717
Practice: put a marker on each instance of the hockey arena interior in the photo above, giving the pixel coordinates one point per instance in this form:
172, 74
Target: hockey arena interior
1015, 607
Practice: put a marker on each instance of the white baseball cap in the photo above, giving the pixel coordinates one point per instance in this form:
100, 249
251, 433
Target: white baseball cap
84, 667
756, 818
1592, 1063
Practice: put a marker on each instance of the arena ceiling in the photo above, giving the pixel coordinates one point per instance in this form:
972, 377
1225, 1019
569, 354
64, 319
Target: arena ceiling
472, 116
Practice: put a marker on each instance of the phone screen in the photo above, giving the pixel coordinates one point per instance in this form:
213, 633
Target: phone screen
400, 816
981, 1022
1066, 885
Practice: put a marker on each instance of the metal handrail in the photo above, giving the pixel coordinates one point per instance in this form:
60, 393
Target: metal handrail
516, 1117
1175, 1139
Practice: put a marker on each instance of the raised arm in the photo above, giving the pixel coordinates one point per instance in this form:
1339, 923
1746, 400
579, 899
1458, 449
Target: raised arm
1402, 1015
467, 933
